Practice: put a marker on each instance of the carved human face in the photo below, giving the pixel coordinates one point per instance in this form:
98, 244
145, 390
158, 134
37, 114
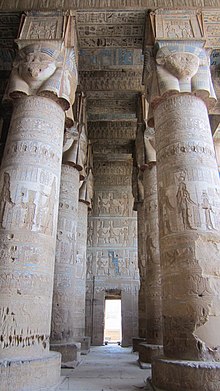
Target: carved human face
36, 67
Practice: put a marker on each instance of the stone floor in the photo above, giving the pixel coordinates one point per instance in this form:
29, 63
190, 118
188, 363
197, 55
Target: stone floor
106, 368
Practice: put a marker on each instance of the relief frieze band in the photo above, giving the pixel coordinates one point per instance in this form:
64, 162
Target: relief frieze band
103, 4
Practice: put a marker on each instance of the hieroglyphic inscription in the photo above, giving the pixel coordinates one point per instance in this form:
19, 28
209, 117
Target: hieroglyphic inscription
112, 130
212, 21
112, 80
110, 29
116, 106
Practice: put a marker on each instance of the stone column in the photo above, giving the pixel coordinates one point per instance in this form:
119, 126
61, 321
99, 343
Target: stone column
30, 177
85, 203
129, 311
188, 194
154, 334
138, 194
64, 323
30, 181
142, 271
217, 150
66, 327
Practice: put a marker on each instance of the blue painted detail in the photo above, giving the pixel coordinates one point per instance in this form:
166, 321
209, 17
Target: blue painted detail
114, 259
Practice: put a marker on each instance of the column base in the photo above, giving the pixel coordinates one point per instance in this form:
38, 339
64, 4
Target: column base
148, 352
70, 353
135, 343
85, 344
41, 374
182, 375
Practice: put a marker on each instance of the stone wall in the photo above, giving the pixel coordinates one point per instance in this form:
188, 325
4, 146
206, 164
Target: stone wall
112, 250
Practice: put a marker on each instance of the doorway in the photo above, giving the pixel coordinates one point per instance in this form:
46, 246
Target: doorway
112, 329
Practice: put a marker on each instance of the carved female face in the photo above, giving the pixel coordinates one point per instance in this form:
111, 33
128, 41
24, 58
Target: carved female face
36, 67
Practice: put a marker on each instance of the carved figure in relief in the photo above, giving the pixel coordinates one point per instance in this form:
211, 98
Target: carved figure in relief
90, 233
207, 207
125, 205
89, 271
113, 262
41, 30
113, 234
180, 30
6, 202
184, 203
102, 205
102, 265
30, 208
103, 233
166, 208
49, 210
149, 248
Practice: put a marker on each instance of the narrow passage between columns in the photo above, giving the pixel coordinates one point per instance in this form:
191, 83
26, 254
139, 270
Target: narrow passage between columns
106, 368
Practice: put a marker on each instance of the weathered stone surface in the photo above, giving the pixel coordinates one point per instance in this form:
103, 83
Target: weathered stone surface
32, 375
154, 332
188, 182
149, 352
136, 342
103, 4
174, 375
30, 177
70, 353
112, 262
64, 324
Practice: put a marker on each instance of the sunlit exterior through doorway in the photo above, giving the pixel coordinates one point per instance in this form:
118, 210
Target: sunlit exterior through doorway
112, 332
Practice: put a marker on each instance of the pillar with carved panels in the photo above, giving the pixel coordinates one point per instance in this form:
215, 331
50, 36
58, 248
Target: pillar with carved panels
180, 94
42, 86
154, 329
66, 324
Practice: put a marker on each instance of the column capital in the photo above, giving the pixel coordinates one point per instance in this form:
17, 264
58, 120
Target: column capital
46, 63
178, 63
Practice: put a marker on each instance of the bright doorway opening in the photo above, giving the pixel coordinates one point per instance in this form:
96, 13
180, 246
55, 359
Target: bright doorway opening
112, 331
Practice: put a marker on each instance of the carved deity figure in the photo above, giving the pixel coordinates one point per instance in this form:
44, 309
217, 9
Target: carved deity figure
5, 198
166, 209
184, 203
149, 248
30, 208
49, 208
207, 207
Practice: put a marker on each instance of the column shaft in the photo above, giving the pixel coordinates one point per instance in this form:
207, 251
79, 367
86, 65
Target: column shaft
142, 269
190, 243
30, 179
80, 291
154, 332
64, 324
